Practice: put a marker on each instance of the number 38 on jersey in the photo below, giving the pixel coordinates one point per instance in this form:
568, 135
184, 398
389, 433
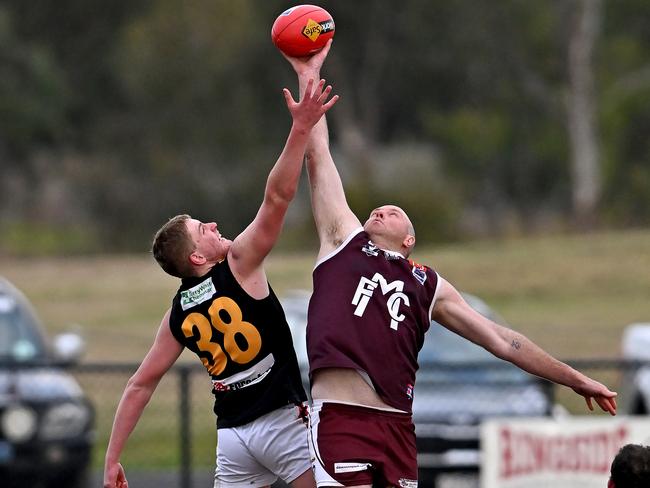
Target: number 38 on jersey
226, 317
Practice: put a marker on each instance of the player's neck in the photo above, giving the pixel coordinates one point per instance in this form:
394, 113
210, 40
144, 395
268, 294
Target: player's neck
205, 268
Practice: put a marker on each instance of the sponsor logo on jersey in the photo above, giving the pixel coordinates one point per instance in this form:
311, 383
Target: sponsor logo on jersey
419, 271
246, 378
409, 391
404, 483
350, 467
198, 294
370, 249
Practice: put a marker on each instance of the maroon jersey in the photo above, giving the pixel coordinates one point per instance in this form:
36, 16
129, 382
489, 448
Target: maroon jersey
369, 311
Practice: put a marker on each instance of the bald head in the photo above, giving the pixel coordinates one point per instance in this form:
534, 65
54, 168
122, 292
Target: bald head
390, 228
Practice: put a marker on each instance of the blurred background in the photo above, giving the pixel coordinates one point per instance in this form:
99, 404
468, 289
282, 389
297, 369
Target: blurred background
515, 134
482, 118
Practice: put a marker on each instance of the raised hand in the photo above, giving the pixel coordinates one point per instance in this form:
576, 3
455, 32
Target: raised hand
312, 106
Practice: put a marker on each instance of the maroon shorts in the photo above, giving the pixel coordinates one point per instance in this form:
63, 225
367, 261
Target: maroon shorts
353, 445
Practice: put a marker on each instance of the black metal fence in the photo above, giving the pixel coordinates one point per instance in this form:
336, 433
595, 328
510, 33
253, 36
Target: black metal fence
173, 445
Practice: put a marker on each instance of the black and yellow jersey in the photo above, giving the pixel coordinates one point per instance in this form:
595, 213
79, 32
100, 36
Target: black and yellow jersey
244, 343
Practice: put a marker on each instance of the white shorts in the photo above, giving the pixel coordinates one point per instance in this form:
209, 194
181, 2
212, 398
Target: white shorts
258, 453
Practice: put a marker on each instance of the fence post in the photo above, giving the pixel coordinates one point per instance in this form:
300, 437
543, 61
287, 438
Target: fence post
185, 426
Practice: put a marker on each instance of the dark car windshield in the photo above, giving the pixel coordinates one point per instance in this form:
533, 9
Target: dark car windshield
448, 357
19, 337
442, 345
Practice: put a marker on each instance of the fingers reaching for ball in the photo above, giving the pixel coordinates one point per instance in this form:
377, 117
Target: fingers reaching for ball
314, 103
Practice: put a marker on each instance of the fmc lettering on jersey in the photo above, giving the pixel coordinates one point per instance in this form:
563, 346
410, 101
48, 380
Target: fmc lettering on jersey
365, 290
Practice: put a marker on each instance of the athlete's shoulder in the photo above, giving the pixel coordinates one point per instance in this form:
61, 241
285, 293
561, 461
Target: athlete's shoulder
326, 253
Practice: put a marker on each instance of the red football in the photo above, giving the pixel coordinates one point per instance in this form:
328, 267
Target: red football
302, 30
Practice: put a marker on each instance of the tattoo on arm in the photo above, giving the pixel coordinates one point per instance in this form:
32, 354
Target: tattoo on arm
516, 344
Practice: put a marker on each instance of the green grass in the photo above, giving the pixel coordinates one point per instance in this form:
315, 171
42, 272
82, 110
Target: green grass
573, 295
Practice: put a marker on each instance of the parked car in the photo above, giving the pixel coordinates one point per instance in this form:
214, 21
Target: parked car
46, 421
458, 385
635, 397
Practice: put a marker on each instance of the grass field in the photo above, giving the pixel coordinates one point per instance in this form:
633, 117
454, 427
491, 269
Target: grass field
573, 295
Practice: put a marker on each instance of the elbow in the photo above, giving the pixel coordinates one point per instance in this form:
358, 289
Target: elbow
507, 344
280, 198
133, 385
136, 386
505, 348
505, 353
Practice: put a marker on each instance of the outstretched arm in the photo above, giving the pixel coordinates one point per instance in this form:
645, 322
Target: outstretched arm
332, 215
162, 355
249, 249
453, 312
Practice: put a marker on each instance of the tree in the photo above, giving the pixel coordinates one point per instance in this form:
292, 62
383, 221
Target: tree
586, 184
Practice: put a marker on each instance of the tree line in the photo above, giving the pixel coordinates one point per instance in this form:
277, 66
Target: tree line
481, 118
